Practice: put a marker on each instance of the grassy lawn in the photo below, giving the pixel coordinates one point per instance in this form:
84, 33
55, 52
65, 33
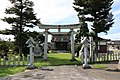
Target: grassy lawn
99, 66
4, 71
54, 59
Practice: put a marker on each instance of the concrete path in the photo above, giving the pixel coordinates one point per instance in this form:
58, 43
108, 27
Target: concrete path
65, 73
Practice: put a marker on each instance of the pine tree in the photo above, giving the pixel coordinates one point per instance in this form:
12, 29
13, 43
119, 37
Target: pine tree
24, 16
97, 12
84, 31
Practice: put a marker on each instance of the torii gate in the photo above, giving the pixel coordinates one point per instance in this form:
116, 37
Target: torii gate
59, 27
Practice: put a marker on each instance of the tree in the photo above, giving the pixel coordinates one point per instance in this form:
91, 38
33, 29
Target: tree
24, 17
36, 36
4, 49
97, 12
84, 31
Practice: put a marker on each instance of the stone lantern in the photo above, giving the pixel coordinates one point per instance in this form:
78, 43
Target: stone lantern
85, 44
31, 43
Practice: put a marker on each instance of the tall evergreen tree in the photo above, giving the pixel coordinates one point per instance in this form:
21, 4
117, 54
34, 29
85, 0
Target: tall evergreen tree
84, 31
24, 17
97, 12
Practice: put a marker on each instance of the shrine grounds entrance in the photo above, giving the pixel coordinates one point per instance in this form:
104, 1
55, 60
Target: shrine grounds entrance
59, 41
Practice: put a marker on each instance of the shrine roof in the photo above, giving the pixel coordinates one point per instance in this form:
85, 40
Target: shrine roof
68, 26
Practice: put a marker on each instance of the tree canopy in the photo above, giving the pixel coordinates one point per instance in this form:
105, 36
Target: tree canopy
24, 16
97, 12
84, 31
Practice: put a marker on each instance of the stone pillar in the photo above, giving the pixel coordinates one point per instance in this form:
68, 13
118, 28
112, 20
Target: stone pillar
31, 43
85, 43
118, 67
91, 48
72, 45
85, 53
45, 44
31, 57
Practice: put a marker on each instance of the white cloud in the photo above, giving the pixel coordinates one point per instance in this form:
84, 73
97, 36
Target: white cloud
114, 36
4, 25
115, 7
49, 11
7, 37
116, 12
53, 11
116, 1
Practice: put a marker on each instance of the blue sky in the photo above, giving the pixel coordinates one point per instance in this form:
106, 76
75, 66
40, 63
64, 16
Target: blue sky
116, 12
114, 32
62, 12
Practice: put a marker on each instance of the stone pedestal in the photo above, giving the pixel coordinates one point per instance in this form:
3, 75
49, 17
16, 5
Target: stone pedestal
31, 67
118, 67
86, 66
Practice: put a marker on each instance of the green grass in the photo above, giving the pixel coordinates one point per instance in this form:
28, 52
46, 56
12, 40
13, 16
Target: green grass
54, 59
99, 66
5, 71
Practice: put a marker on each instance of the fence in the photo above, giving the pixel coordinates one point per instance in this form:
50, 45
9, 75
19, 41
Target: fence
23, 61
14, 60
101, 57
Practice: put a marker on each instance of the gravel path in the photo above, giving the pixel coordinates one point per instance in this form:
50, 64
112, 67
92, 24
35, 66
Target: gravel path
67, 73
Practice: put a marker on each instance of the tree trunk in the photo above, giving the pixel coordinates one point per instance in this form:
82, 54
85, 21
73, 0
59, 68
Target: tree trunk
20, 32
20, 43
20, 51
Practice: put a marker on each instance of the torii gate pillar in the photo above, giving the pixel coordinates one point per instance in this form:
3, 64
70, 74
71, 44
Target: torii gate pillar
72, 45
45, 44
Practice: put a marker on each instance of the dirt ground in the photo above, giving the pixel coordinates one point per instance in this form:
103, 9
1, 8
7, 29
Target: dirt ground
71, 72
109, 73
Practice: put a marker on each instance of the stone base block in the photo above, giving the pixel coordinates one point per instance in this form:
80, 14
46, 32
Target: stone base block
86, 66
31, 67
